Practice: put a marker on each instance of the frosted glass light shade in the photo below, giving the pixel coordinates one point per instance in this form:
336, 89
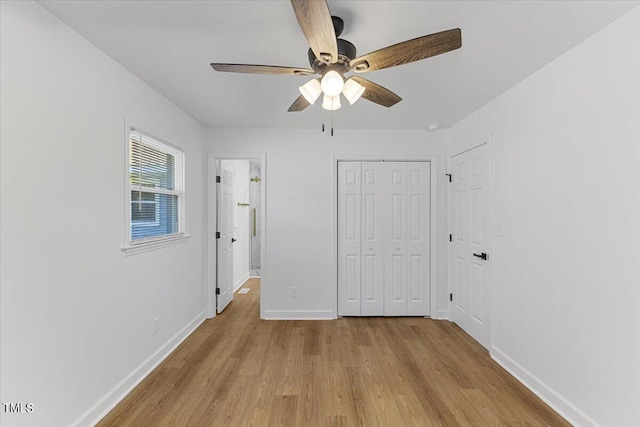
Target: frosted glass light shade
311, 90
352, 90
332, 83
331, 103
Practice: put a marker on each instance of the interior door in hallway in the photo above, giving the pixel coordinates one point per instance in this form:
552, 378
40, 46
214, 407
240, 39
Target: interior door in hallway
470, 268
224, 242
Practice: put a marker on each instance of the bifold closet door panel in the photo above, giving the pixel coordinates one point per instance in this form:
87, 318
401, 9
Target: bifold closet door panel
374, 185
407, 235
395, 238
349, 238
418, 238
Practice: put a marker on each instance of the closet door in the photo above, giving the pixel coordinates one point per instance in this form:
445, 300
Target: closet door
395, 238
384, 238
374, 186
349, 238
418, 238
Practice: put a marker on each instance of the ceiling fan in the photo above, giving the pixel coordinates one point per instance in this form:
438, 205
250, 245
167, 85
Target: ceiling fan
333, 57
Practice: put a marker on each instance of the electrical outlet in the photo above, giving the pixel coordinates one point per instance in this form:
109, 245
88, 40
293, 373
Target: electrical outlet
499, 228
294, 292
156, 325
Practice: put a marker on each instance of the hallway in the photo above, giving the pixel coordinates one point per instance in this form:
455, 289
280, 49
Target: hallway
238, 370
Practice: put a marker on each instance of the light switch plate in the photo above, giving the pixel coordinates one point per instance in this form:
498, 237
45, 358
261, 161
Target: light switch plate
499, 228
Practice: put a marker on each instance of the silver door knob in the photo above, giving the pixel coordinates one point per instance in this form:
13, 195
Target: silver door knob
370, 248
397, 248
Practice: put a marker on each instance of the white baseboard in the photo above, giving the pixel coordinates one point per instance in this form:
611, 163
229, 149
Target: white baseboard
442, 315
241, 282
124, 387
299, 315
560, 404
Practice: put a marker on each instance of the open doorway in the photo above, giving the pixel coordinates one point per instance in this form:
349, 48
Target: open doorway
236, 227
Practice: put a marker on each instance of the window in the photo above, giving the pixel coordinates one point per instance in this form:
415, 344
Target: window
156, 190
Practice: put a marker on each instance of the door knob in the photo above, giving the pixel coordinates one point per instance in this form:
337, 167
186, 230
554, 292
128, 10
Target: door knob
370, 248
233, 240
397, 248
482, 255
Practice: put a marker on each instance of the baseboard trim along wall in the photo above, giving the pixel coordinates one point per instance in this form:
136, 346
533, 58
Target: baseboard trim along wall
442, 315
561, 405
241, 282
299, 315
124, 387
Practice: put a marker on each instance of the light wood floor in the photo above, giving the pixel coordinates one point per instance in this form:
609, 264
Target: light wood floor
238, 370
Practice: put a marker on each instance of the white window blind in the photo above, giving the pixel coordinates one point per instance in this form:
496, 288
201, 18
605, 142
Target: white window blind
156, 188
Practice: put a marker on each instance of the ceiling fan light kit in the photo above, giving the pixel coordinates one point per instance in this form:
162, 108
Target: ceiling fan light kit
311, 90
332, 83
333, 57
331, 103
352, 90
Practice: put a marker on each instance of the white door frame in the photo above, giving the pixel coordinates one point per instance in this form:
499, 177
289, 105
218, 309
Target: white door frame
211, 251
489, 143
407, 157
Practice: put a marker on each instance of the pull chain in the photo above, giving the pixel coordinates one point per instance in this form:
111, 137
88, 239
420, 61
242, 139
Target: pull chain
331, 123
332, 109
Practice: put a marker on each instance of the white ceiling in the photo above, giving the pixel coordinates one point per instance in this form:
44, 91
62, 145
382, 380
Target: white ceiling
169, 45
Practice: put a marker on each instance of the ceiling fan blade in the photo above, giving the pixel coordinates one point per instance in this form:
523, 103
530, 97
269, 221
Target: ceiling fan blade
409, 51
299, 104
376, 93
316, 24
261, 69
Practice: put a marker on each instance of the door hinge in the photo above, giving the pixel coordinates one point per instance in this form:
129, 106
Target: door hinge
217, 179
217, 291
217, 234
451, 237
449, 175
450, 297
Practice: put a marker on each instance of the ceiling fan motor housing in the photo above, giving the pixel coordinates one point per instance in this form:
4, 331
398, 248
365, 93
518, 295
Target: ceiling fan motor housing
346, 52
338, 25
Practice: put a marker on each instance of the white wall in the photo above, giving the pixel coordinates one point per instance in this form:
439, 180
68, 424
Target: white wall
76, 312
566, 156
300, 193
240, 169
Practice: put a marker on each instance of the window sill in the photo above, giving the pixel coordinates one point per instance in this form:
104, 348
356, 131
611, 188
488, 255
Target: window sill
154, 244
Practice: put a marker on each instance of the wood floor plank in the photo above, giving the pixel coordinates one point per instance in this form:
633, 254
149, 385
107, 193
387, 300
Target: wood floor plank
238, 370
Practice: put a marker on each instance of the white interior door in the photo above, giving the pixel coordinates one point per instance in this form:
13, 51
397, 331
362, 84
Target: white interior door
471, 243
349, 235
374, 184
418, 241
407, 236
383, 238
224, 242
395, 236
